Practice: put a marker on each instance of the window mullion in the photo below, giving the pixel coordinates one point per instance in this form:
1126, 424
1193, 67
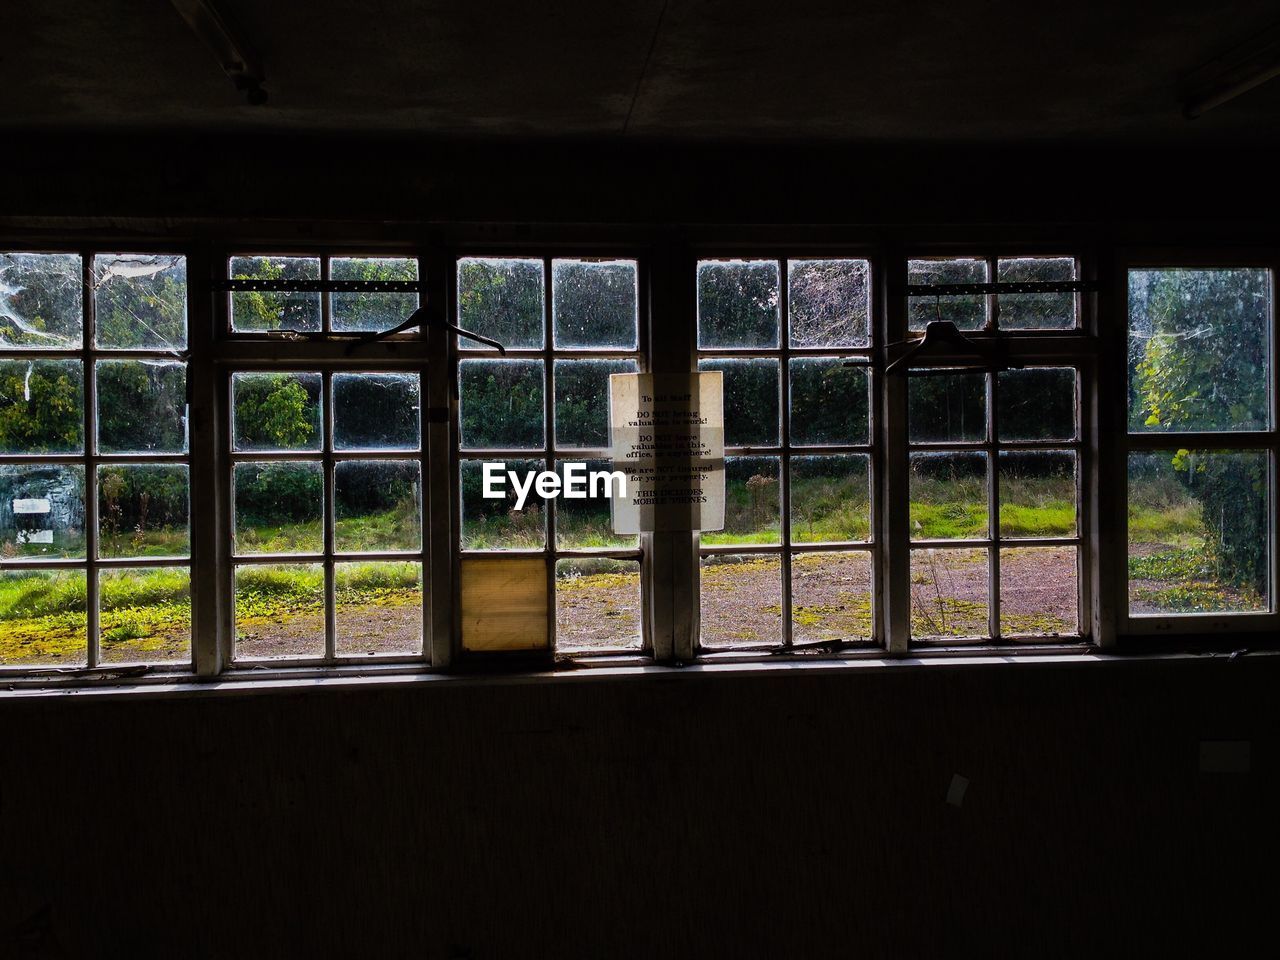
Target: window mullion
91, 467
895, 528
442, 631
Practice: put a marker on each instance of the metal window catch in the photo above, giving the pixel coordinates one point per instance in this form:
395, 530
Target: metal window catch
420, 318
945, 332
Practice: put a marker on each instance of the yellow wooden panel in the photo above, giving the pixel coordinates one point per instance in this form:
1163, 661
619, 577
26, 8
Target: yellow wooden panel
504, 603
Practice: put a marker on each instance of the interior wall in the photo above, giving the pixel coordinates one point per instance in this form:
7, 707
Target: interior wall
690, 813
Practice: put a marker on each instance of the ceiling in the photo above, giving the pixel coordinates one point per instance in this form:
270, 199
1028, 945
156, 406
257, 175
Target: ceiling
889, 71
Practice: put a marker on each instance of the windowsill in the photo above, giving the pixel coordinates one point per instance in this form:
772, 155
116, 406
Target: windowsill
292, 680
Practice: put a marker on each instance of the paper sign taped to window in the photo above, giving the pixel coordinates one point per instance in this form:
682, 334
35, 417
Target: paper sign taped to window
666, 434
31, 505
35, 536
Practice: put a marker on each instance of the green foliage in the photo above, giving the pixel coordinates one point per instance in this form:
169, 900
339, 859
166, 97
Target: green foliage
41, 406
274, 411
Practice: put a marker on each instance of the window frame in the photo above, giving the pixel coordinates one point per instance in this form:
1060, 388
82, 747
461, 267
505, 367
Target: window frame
1138, 630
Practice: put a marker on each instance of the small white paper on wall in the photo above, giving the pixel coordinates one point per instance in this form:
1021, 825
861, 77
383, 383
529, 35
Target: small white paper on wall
666, 435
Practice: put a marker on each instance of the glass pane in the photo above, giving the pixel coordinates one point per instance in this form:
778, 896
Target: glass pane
1039, 592
738, 303
949, 593
43, 620
142, 406
947, 408
750, 400
258, 310
276, 411
751, 502
279, 507
41, 406
501, 404
1038, 494
1198, 531
376, 411
144, 615
582, 401
597, 604
279, 610
41, 511
143, 510
594, 303
585, 521
140, 301
948, 496
495, 523
966, 311
1198, 349
830, 597
829, 303
378, 607
741, 600
504, 603
1036, 311
830, 402
371, 311
376, 505
502, 299
830, 498
1038, 403
41, 301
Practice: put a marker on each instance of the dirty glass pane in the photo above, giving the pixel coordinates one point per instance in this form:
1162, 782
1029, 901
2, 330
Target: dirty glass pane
947, 407
259, 310
1198, 349
966, 311
43, 619
948, 496
585, 521
279, 507
751, 400
143, 510
376, 411
501, 404
142, 406
830, 597
597, 604
830, 498
279, 610
949, 594
1198, 531
1038, 403
140, 301
41, 511
502, 299
594, 303
276, 411
495, 523
144, 615
378, 607
582, 401
1039, 592
41, 406
504, 603
741, 600
738, 303
371, 311
751, 502
41, 301
829, 302
1038, 493
1036, 311
830, 401
376, 505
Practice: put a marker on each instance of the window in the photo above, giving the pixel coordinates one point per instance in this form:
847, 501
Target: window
319, 468
326, 462
1202, 446
994, 451
548, 573
793, 565
95, 541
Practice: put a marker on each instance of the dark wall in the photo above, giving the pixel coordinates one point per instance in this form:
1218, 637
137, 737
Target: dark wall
789, 813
